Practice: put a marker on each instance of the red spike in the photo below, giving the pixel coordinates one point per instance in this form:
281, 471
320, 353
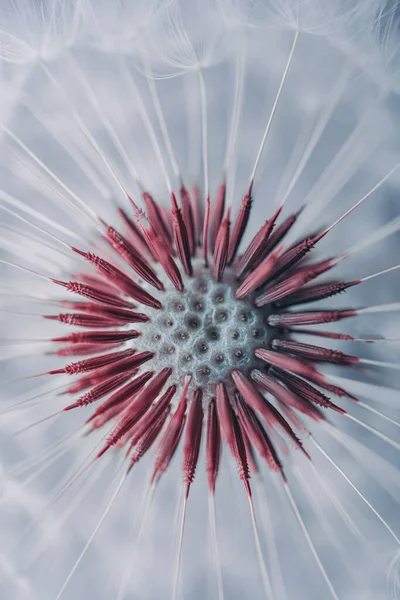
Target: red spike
191, 446
82, 349
310, 271
137, 408
318, 268
98, 337
83, 320
93, 379
326, 334
290, 284
293, 256
288, 363
221, 248
317, 292
123, 394
172, 435
181, 237
272, 417
152, 390
224, 411
128, 364
90, 364
83, 383
259, 275
285, 396
157, 222
257, 246
232, 433
148, 438
187, 213
217, 214
135, 234
293, 419
110, 415
123, 316
100, 390
166, 261
96, 280
148, 420
197, 214
206, 227
309, 318
251, 459
281, 361
166, 217
276, 237
240, 226
79, 306
314, 353
122, 281
257, 435
213, 446
305, 390
320, 380
133, 258
91, 293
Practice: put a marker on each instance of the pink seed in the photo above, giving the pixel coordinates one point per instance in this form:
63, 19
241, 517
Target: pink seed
317, 353
257, 246
98, 337
188, 217
128, 252
213, 446
82, 320
232, 434
156, 411
166, 260
257, 434
217, 214
172, 434
137, 409
221, 248
181, 237
99, 391
191, 446
309, 318
90, 364
124, 394
118, 278
239, 228
317, 292
259, 275
283, 395
157, 222
95, 294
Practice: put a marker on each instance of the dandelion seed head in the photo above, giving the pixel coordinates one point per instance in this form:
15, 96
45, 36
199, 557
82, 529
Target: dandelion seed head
186, 298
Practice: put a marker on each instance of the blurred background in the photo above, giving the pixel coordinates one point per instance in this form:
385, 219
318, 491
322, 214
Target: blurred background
79, 110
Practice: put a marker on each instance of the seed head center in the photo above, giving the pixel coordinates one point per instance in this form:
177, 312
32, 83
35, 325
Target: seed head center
205, 331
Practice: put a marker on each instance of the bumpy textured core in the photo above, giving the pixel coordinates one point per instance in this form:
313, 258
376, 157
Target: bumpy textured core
188, 336
205, 331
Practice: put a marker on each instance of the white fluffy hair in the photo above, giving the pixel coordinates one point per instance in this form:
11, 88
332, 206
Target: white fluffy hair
102, 96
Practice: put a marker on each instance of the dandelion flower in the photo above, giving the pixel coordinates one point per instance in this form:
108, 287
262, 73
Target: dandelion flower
191, 404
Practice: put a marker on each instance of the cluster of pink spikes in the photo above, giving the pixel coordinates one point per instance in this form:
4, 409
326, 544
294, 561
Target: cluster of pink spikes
137, 400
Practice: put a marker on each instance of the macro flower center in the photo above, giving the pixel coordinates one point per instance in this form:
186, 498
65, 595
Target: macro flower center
205, 331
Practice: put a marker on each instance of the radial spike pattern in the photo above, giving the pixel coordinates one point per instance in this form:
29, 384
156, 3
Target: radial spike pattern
219, 333
175, 224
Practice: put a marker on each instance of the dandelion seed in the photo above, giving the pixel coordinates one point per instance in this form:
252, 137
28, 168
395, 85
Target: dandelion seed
195, 298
